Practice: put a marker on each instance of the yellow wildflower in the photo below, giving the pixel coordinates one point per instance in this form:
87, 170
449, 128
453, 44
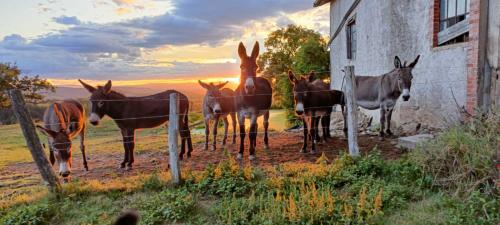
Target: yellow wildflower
377, 203
248, 172
218, 172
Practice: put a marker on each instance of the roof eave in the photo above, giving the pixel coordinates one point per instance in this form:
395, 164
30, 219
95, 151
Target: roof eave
318, 3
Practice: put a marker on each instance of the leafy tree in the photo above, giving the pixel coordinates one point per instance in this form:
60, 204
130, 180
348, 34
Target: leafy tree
10, 77
293, 47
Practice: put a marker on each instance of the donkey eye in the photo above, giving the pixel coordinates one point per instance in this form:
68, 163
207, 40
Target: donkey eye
100, 104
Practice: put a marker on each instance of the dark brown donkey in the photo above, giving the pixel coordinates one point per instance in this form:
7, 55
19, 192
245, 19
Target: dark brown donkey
131, 113
253, 99
313, 100
382, 92
218, 103
62, 122
338, 98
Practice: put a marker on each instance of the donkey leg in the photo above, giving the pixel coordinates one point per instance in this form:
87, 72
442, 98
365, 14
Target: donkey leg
306, 127
82, 148
266, 128
382, 122
207, 132
253, 138
314, 132
131, 149
241, 122
125, 147
216, 124
233, 120
226, 127
389, 116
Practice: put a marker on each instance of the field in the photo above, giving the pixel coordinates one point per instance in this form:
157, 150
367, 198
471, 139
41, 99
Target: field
384, 186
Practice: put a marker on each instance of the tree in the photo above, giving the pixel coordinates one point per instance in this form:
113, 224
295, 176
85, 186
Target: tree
293, 47
10, 77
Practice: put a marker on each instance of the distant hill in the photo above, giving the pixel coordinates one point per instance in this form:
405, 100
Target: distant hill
194, 92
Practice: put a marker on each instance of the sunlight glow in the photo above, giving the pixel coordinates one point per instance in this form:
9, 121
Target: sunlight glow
73, 82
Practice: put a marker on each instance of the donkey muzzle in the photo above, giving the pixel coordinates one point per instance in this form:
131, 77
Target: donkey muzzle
406, 94
65, 173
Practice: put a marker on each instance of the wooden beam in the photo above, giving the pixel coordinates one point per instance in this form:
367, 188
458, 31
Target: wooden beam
33, 142
344, 20
454, 31
173, 131
352, 111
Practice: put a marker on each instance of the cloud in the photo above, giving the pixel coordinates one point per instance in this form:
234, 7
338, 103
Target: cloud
124, 2
89, 50
67, 20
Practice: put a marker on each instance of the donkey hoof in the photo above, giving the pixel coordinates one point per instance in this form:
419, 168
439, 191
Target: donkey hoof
313, 152
122, 165
266, 147
251, 157
303, 151
128, 168
240, 156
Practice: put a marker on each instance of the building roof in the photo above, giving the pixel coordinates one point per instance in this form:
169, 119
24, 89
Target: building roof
321, 2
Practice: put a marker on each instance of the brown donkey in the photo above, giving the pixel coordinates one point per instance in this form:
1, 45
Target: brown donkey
253, 99
218, 103
313, 100
131, 113
62, 122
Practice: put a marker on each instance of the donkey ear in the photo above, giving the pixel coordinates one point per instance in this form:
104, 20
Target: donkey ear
203, 84
242, 51
59, 115
255, 51
414, 62
397, 62
87, 86
107, 87
311, 76
46, 132
221, 85
292, 77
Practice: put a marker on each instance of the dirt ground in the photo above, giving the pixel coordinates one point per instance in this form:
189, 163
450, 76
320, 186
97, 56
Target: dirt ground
283, 148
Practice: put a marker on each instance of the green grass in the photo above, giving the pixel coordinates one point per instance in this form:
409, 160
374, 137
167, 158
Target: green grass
106, 138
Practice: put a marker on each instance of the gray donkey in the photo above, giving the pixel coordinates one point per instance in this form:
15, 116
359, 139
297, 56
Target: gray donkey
382, 92
216, 104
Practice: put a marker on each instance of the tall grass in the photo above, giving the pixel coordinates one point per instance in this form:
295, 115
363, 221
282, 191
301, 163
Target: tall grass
462, 159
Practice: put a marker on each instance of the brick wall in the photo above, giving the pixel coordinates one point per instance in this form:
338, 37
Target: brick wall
473, 57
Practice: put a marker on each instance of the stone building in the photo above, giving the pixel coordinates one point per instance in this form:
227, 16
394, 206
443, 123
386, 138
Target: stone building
458, 41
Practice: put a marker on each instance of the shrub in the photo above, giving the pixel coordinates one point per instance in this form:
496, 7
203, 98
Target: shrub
461, 160
167, 206
32, 214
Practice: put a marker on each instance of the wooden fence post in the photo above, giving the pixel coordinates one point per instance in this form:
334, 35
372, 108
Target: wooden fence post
352, 114
173, 131
33, 142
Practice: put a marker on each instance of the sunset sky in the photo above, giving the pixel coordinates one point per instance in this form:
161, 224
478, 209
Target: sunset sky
139, 41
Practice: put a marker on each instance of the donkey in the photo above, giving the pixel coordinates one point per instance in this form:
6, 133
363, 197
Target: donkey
62, 122
337, 98
218, 103
253, 99
312, 101
382, 92
131, 113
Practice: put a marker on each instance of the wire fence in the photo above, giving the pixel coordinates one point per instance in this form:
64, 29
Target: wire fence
442, 82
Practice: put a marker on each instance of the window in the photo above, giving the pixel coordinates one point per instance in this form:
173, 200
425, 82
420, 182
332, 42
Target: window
453, 21
351, 39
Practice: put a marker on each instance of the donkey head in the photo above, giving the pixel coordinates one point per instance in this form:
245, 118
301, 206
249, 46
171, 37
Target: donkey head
300, 89
248, 67
213, 95
60, 147
99, 101
404, 76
